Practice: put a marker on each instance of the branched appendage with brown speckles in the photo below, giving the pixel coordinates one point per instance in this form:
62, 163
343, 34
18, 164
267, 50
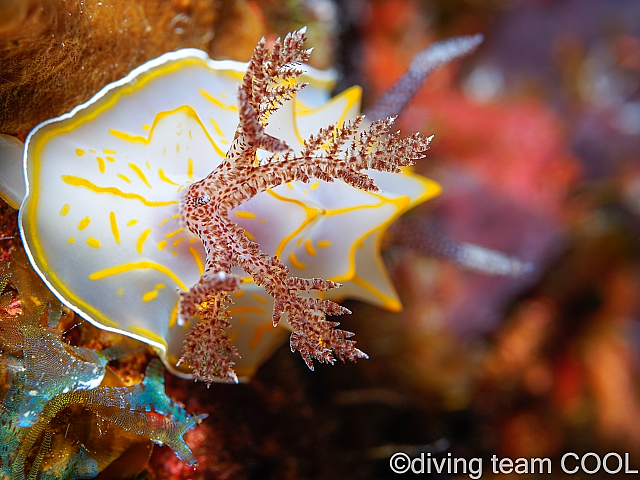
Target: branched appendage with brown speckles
336, 152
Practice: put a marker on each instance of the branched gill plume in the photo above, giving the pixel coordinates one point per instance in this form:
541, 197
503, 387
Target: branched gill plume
337, 152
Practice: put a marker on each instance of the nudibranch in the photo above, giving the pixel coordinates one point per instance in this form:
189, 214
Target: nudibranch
109, 184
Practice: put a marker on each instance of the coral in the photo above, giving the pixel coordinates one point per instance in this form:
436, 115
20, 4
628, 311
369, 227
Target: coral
336, 152
47, 381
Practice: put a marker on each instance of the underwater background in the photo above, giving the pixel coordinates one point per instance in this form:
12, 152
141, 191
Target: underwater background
537, 149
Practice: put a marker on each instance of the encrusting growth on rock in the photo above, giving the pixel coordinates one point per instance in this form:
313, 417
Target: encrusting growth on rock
341, 152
